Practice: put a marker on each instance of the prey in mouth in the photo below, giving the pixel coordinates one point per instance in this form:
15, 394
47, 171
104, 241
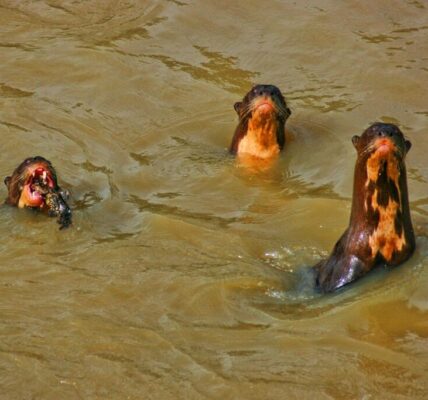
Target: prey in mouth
34, 185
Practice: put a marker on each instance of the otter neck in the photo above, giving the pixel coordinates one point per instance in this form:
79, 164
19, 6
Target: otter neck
380, 203
376, 182
260, 139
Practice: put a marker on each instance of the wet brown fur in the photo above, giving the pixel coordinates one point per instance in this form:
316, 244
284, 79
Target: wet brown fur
380, 231
255, 136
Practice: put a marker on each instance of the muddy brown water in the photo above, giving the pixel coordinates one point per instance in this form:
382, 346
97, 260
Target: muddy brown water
184, 275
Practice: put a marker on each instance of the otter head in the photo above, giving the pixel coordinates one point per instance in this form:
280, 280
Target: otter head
23, 185
381, 141
263, 104
262, 115
34, 184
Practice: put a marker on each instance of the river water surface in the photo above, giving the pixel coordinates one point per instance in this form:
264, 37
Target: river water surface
184, 274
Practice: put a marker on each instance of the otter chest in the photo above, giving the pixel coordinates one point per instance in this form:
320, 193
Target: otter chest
260, 143
387, 237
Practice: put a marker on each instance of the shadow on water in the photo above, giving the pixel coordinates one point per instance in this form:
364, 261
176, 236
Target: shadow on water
220, 70
163, 209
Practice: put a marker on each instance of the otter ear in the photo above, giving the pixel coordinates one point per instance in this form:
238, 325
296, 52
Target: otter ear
237, 106
288, 111
408, 145
7, 181
355, 140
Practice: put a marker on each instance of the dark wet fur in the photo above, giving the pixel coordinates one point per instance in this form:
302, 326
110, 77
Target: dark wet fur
352, 256
244, 111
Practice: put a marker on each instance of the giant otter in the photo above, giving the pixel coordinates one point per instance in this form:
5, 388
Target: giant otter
380, 230
261, 128
34, 184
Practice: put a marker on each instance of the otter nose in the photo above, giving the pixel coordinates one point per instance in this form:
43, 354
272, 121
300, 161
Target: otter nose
260, 91
386, 130
264, 90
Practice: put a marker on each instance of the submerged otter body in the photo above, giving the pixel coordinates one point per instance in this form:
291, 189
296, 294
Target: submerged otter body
261, 128
34, 184
380, 231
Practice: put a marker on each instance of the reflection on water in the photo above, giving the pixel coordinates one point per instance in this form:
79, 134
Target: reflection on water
186, 274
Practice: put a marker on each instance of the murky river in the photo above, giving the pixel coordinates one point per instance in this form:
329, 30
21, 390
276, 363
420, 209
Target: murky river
183, 274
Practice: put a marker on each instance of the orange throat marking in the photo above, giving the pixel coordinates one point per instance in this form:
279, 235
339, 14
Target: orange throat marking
260, 140
385, 239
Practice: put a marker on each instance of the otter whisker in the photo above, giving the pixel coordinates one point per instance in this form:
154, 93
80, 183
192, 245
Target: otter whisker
281, 109
372, 146
246, 112
262, 115
368, 149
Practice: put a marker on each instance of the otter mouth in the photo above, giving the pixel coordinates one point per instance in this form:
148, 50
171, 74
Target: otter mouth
385, 147
41, 191
264, 107
37, 185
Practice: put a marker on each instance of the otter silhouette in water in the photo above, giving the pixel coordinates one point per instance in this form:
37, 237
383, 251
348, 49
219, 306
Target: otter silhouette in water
380, 230
34, 184
261, 128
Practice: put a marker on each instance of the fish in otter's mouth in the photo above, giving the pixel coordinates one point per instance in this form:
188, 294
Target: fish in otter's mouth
33, 184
